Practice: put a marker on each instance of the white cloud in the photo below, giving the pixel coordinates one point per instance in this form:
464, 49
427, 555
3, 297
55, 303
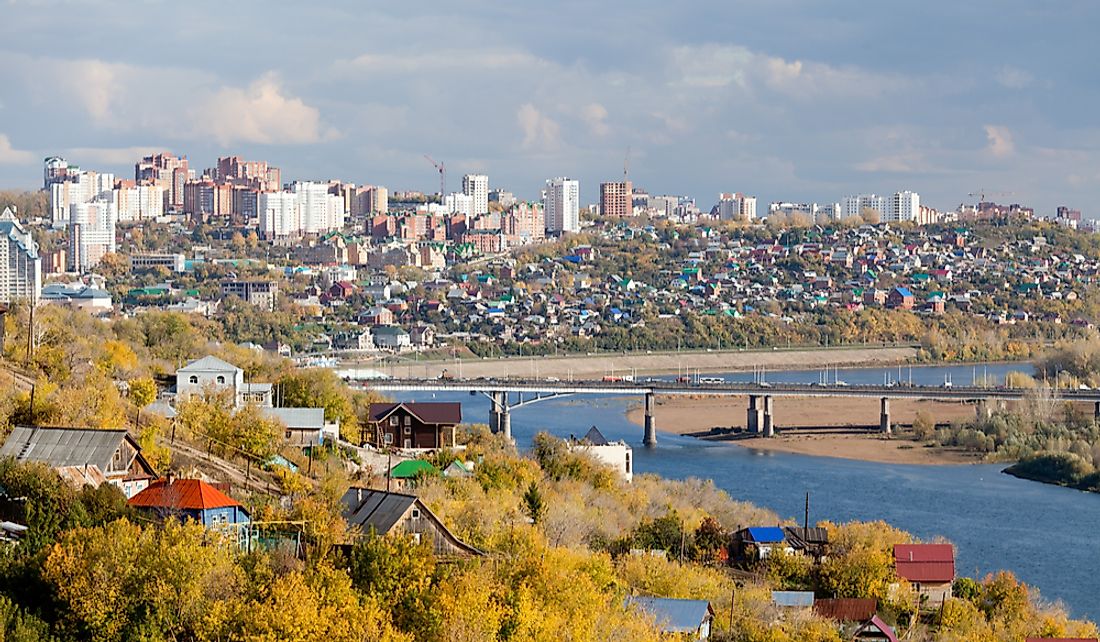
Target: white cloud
12, 156
1000, 141
595, 116
1014, 77
260, 113
539, 130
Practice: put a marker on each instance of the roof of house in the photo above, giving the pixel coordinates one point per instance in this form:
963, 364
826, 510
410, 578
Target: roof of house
208, 363
876, 623
297, 418
847, 609
595, 437
766, 534
182, 494
60, 447
673, 615
411, 468
429, 412
379, 510
793, 598
925, 562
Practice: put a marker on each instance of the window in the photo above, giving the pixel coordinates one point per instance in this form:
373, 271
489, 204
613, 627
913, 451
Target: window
393, 421
408, 430
221, 379
408, 420
387, 438
192, 379
415, 514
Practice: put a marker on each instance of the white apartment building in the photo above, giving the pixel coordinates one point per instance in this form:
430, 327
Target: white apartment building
459, 203
139, 202
903, 206
79, 187
321, 212
476, 186
279, 214
561, 205
854, 205
91, 234
20, 265
736, 207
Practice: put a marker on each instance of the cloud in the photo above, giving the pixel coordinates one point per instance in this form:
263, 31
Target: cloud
452, 59
112, 155
1014, 78
1000, 141
260, 113
901, 163
539, 131
12, 156
595, 116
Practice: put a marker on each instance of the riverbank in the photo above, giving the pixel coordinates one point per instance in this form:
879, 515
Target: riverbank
844, 418
597, 365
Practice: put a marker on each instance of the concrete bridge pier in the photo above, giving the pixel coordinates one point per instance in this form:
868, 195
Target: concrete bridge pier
497, 401
884, 416
504, 422
650, 437
755, 421
769, 423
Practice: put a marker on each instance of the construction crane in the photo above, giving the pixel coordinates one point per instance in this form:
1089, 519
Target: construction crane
442, 176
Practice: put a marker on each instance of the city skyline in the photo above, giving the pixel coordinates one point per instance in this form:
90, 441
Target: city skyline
799, 105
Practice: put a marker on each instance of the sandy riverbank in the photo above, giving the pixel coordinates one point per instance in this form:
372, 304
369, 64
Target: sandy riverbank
596, 366
688, 415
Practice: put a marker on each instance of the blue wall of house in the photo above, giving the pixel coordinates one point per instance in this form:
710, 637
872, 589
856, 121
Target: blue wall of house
226, 515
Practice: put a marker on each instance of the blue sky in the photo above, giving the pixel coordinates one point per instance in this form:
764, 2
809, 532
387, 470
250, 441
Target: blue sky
785, 99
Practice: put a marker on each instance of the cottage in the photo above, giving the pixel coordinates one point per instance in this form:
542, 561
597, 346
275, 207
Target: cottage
404, 474
386, 513
758, 542
690, 619
84, 456
875, 630
391, 337
413, 425
211, 374
304, 426
191, 499
901, 299
930, 568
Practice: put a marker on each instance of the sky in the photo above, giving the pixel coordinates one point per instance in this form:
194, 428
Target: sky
792, 100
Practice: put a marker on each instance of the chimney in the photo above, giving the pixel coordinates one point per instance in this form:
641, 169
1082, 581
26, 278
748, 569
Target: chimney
170, 477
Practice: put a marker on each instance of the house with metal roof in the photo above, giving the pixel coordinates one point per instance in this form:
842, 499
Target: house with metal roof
758, 542
386, 513
875, 630
191, 499
688, 618
211, 374
304, 426
424, 425
84, 456
930, 568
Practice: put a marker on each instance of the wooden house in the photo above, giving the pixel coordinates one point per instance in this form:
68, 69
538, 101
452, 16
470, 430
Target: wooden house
385, 513
191, 499
413, 425
930, 568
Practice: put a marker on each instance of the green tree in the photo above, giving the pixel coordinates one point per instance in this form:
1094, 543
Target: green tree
533, 503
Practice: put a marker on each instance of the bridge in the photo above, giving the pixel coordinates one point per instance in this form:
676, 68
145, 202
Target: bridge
761, 396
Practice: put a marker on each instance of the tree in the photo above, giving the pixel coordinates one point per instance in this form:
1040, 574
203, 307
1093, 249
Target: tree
143, 391
870, 216
320, 388
533, 503
399, 573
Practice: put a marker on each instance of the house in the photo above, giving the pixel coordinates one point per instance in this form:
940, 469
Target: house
391, 337
211, 374
790, 601
387, 513
341, 290
422, 336
78, 296
688, 618
459, 469
84, 456
404, 474
930, 568
413, 425
901, 299
191, 499
304, 426
812, 541
758, 542
846, 609
875, 630
616, 454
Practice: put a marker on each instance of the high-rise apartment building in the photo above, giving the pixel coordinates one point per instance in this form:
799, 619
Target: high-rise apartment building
476, 186
854, 205
20, 265
77, 187
903, 206
523, 223
279, 214
321, 211
561, 205
168, 171
138, 202
378, 199
617, 199
56, 170
460, 203
736, 207
91, 234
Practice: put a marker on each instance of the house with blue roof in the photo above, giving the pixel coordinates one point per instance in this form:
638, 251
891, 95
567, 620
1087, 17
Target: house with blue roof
758, 542
900, 299
689, 619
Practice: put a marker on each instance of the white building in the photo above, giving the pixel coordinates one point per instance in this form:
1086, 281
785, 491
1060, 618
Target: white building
20, 265
321, 212
459, 203
903, 206
279, 214
561, 205
616, 454
91, 234
212, 375
77, 188
736, 207
139, 202
476, 186
854, 205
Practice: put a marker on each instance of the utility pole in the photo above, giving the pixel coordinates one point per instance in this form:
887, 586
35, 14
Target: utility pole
30, 338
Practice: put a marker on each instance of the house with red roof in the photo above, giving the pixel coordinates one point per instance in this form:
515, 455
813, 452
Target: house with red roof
190, 499
413, 425
930, 568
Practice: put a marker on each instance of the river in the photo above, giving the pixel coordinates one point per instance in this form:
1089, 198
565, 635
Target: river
1044, 534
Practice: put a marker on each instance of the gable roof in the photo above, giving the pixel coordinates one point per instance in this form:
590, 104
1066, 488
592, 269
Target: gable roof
182, 494
766, 534
793, 598
208, 363
595, 437
380, 510
429, 412
876, 623
60, 447
846, 609
925, 562
673, 615
296, 418
411, 468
